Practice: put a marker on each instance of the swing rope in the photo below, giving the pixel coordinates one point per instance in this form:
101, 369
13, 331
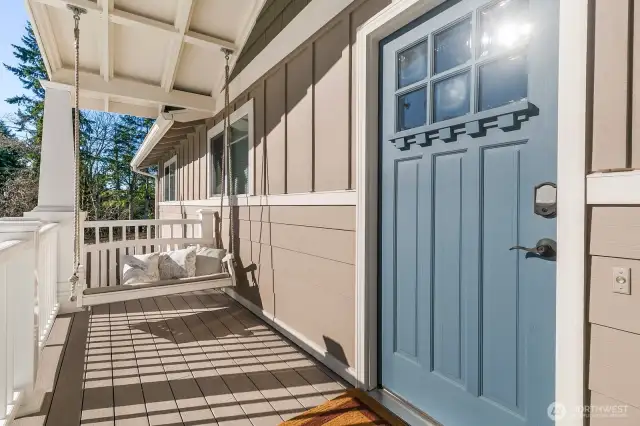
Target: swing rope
226, 157
73, 280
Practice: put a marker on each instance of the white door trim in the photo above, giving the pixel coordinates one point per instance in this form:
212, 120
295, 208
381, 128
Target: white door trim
570, 295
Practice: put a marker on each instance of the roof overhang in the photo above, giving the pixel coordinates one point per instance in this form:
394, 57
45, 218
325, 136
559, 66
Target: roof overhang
144, 57
163, 138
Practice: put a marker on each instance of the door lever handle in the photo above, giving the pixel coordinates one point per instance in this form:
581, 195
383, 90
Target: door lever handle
546, 247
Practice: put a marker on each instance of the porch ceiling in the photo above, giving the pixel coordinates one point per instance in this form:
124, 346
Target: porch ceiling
139, 56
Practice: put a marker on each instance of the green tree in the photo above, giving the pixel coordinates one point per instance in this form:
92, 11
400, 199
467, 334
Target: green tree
10, 156
130, 187
30, 70
108, 142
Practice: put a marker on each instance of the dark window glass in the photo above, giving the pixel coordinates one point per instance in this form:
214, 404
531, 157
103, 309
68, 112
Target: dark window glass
502, 82
217, 147
412, 109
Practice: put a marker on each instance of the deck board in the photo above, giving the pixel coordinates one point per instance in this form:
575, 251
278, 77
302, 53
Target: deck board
191, 359
66, 405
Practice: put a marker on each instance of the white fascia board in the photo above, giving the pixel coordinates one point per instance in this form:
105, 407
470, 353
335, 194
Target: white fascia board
158, 130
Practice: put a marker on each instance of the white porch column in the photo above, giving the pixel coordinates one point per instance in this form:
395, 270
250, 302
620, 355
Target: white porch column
56, 185
55, 190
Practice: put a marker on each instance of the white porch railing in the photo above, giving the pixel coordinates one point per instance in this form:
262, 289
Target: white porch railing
28, 305
102, 263
30, 267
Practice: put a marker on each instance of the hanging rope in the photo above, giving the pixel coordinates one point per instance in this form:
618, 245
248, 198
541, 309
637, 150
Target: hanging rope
77, 11
226, 156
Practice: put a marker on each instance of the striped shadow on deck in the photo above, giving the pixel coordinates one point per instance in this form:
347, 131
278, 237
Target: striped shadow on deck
191, 359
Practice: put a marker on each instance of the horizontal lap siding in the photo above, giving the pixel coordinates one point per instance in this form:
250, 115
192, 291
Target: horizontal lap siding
301, 268
614, 366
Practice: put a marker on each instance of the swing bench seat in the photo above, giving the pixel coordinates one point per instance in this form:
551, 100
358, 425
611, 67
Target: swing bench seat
121, 293
92, 296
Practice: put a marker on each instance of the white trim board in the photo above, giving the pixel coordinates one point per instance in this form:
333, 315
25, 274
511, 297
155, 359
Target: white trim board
313, 349
329, 198
614, 188
570, 288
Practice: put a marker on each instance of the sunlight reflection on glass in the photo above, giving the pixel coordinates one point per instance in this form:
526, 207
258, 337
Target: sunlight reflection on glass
504, 26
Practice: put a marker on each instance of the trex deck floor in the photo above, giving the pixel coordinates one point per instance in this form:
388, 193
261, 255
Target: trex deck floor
191, 359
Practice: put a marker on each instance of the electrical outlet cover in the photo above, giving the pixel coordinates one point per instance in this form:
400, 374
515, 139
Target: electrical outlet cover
621, 280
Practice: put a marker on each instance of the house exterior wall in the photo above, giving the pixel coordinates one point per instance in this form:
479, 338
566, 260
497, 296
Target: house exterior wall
275, 15
303, 256
614, 231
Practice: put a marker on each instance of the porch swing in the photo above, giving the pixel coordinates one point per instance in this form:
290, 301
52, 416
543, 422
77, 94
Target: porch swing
87, 296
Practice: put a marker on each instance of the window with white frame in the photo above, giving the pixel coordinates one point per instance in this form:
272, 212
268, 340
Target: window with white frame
240, 154
170, 183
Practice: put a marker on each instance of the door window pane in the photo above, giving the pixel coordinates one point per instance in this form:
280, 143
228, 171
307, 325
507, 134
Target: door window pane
452, 46
217, 146
412, 109
412, 64
502, 82
504, 26
451, 97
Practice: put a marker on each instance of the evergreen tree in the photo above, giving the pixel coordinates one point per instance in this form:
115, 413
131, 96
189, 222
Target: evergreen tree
9, 154
108, 142
129, 134
30, 70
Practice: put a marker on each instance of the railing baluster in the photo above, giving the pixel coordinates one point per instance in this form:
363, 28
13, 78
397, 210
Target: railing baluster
112, 260
10, 295
103, 268
4, 344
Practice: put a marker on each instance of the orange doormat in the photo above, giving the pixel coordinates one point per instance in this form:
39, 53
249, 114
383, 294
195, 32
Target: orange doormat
353, 407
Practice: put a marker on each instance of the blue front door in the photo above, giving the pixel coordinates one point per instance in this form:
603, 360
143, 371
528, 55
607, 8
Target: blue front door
468, 131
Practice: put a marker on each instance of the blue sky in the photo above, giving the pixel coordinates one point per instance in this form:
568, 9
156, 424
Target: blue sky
13, 18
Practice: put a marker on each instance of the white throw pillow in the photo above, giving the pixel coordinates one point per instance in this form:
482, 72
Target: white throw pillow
141, 268
178, 264
209, 261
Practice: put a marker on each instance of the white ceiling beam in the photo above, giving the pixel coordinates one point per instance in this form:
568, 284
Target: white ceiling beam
134, 20
106, 60
121, 17
172, 61
94, 85
208, 42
